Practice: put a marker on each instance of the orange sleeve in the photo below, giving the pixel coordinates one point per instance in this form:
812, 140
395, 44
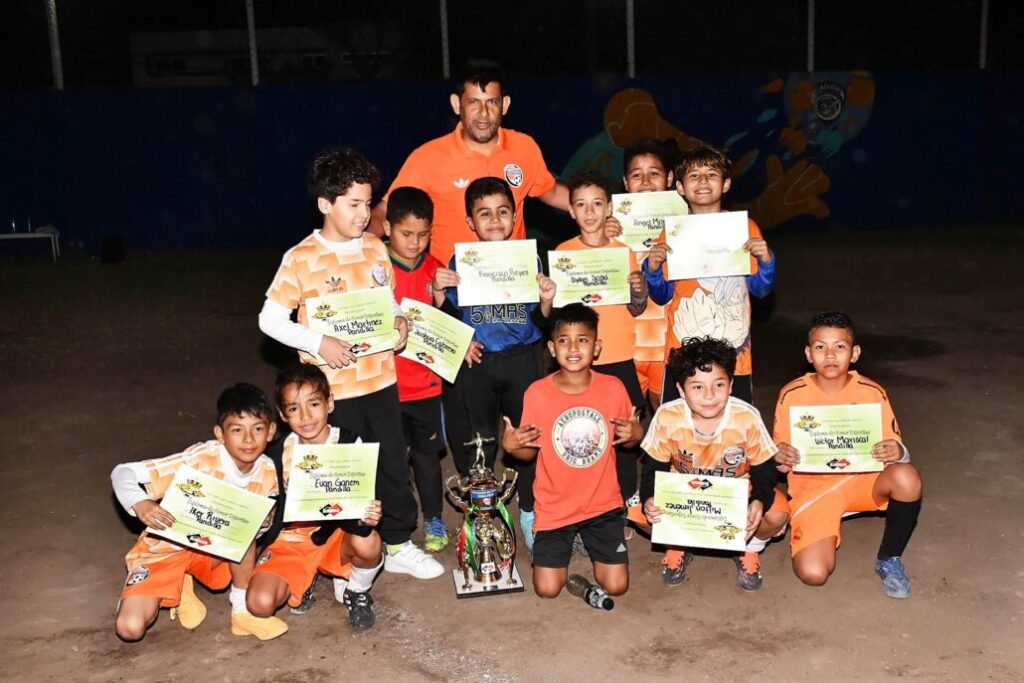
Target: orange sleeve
412, 172
657, 443
286, 289
760, 447
780, 433
160, 471
542, 181
890, 428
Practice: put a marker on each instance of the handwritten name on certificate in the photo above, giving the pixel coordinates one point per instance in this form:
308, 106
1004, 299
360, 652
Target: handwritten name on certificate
595, 277
436, 340
699, 511
497, 272
365, 319
836, 439
211, 515
331, 482
642, 216
707, 245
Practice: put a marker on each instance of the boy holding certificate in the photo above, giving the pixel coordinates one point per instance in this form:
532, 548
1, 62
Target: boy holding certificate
711, 306
504, 360
410, 215
819, 501
335, 261
709, 432
590, 206
572, 420
287, 568
161, 573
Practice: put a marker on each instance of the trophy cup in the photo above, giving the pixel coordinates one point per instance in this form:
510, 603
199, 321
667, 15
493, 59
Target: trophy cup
487, 541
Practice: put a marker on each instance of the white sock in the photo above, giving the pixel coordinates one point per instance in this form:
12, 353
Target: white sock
756, 545
236, 596
361, 579
339, 588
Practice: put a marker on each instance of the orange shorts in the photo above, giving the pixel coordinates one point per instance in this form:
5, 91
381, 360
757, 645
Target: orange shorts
297, 562
819, 510
163, 578
651, 375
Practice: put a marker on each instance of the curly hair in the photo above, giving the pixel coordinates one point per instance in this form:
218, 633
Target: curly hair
833, 319
700, 353
336, 169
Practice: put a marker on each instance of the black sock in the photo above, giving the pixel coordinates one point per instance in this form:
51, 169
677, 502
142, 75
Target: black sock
900, 520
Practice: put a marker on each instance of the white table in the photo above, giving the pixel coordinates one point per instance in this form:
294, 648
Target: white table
54, 240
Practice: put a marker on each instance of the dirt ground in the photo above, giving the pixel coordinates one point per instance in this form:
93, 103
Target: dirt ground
111, 363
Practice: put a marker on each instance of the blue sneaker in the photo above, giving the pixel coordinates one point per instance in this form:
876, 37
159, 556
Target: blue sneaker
435, 535
526, 525
894, 577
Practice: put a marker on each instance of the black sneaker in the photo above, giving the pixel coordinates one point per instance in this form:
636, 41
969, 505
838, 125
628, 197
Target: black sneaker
360, 609
308, 598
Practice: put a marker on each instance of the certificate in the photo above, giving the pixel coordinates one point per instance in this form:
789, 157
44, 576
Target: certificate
436, 340
595, 277
330, 482
365, 319
211, 515
699, 511
497, 272
836, 439
642, 216
707, 245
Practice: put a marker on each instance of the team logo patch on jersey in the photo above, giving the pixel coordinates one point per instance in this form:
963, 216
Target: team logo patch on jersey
580, 436
379, 275
137, 575
513, 175
264, 558
829, 99
733, 455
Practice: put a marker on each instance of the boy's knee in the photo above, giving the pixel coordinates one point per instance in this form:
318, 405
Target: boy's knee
130, 627
906, 482
812, 574
367, 550
547, 590
616, 586
261, 603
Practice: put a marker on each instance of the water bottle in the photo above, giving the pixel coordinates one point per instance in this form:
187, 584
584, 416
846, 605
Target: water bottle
592, 594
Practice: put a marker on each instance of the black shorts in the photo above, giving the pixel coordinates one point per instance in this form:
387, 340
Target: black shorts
421, 425
602, 536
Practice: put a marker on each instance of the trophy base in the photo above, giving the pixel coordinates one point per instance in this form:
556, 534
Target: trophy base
477, 589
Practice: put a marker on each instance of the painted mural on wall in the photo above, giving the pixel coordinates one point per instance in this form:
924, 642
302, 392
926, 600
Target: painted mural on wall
805, 119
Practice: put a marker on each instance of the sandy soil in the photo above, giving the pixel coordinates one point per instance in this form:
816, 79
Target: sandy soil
104, 364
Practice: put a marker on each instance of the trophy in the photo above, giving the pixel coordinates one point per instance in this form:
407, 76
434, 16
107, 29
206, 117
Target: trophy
487, 541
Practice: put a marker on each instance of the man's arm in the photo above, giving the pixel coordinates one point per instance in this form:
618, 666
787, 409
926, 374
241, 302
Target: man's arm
557, 197
377, 215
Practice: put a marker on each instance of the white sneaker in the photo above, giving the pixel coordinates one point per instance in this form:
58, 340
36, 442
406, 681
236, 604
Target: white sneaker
339, 589
412, 560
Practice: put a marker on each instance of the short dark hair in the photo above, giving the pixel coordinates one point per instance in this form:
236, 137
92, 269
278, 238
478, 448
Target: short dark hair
243, 399
335, 170
572, 314
589, 179
479, 72
703, 156
409, 201
700, 353
664, 153
833, 319
301, 374
485, 187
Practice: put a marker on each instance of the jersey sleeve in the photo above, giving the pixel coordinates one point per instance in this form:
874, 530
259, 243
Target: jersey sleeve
780, 431
760, 447
657, 443
157, 474
541, 179
286, 290
890, 428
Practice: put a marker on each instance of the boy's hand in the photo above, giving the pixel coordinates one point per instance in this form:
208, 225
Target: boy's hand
651, 511
547, 287
755, 511
336, 352
152, 515
373, 514
758, 248
888, 451
637, 285
657, 256
787, 457
523, 436
627, 431
612, 227
402, 325
474, 354
444, 278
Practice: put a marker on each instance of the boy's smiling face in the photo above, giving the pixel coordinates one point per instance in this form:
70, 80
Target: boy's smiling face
831, 351
707, 392
703, 187
493, 218
646, 173
245, 438
590, 208
574, 346
306, 411
348, 215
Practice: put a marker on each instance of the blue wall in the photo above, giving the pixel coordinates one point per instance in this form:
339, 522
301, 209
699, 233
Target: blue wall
225, 168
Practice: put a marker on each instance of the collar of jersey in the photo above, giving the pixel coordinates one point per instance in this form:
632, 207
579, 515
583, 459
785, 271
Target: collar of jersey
349, 247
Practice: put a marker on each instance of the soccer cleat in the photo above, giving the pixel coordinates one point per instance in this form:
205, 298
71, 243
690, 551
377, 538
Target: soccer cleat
411, 560
748, 571
360, 609
526, 524
435, 535
268, 628
578, 547
675, 563
190, 611
894, 577
307, 600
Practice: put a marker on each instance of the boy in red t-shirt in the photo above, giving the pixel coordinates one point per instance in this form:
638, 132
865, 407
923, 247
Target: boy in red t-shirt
572, 421
410, 216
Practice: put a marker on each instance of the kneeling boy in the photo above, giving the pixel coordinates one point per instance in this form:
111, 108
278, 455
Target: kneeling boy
572, 421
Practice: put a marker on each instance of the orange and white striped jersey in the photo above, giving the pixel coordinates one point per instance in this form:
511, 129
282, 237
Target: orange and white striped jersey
316, 267
740, 442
